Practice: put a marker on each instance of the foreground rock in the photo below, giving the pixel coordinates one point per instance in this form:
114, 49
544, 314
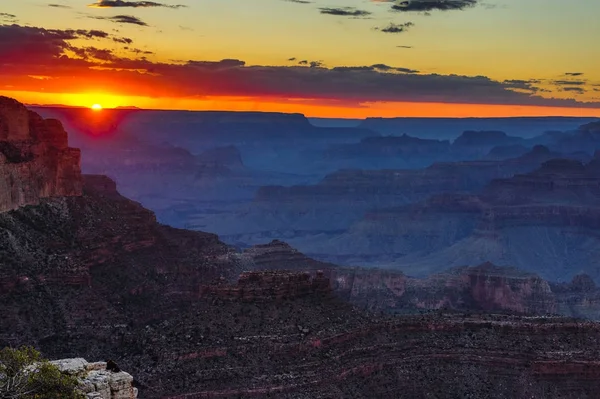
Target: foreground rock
96, 382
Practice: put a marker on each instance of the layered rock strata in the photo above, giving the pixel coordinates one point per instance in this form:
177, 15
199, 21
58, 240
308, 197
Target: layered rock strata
35, 159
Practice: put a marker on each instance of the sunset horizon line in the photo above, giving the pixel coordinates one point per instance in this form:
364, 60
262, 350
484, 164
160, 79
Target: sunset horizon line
347, 117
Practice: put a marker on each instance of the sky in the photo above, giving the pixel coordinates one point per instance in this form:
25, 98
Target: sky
326, 58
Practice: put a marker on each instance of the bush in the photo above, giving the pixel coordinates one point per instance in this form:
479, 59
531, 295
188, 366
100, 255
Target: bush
24, 374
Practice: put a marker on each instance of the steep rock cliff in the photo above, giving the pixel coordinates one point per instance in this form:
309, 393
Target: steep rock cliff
97, 259
35, 159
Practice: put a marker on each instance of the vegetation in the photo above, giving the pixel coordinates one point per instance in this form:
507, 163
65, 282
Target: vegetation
24, 374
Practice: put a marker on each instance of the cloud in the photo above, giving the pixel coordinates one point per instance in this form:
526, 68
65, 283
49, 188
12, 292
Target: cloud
578, 90
124, 40
429, 5
523, 85
387, 68
407, 47
29, 45
29, 51
569, 82
59, 6
573, 73
396, 28
217, 65
344, 11
9, 18
133, 4
299, 1
312, 64
124, 19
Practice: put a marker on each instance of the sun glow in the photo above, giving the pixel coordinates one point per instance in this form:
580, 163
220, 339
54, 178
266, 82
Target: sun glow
96, 107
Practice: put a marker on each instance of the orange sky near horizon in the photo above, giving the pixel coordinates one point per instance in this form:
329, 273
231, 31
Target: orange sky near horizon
499, 58
382, 109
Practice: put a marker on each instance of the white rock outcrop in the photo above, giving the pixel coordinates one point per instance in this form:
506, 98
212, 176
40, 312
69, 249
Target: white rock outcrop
96, 381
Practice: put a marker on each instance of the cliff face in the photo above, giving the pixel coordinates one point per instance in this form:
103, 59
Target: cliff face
35, 159
481, 288
343, 197
545, 222
78, 262
484, 288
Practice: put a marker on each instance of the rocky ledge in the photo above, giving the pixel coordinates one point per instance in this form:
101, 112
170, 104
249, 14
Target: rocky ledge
97, 381
35, 159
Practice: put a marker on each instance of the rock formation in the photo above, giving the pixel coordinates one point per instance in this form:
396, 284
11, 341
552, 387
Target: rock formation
95, 275
478, 143
544, 222
483, 288
228, 156
307, 215
35, 159
96, 382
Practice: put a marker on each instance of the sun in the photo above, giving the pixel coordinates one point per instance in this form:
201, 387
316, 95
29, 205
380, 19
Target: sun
96, 107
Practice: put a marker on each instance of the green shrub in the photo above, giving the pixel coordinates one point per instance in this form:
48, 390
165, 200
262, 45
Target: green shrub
24, 374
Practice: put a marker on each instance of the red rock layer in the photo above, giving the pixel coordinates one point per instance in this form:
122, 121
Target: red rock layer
35, 159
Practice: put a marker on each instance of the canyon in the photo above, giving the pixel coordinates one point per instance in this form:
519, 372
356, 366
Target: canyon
474, 289
92, 274
543, 222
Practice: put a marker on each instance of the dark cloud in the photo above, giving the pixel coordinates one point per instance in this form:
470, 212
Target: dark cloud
93, 53
525, 85
375, 67
28, 51
387, 68
59, 6
217, 65
292, 59
138, 51
133, 4
431, 5
573, 73
124, 40
299, 1
382, 67
31, 45
344, 11
352, 68
124, 19
396, 28
312, 64
6, 17
407, 47
406, 70
569, 82
577, 90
